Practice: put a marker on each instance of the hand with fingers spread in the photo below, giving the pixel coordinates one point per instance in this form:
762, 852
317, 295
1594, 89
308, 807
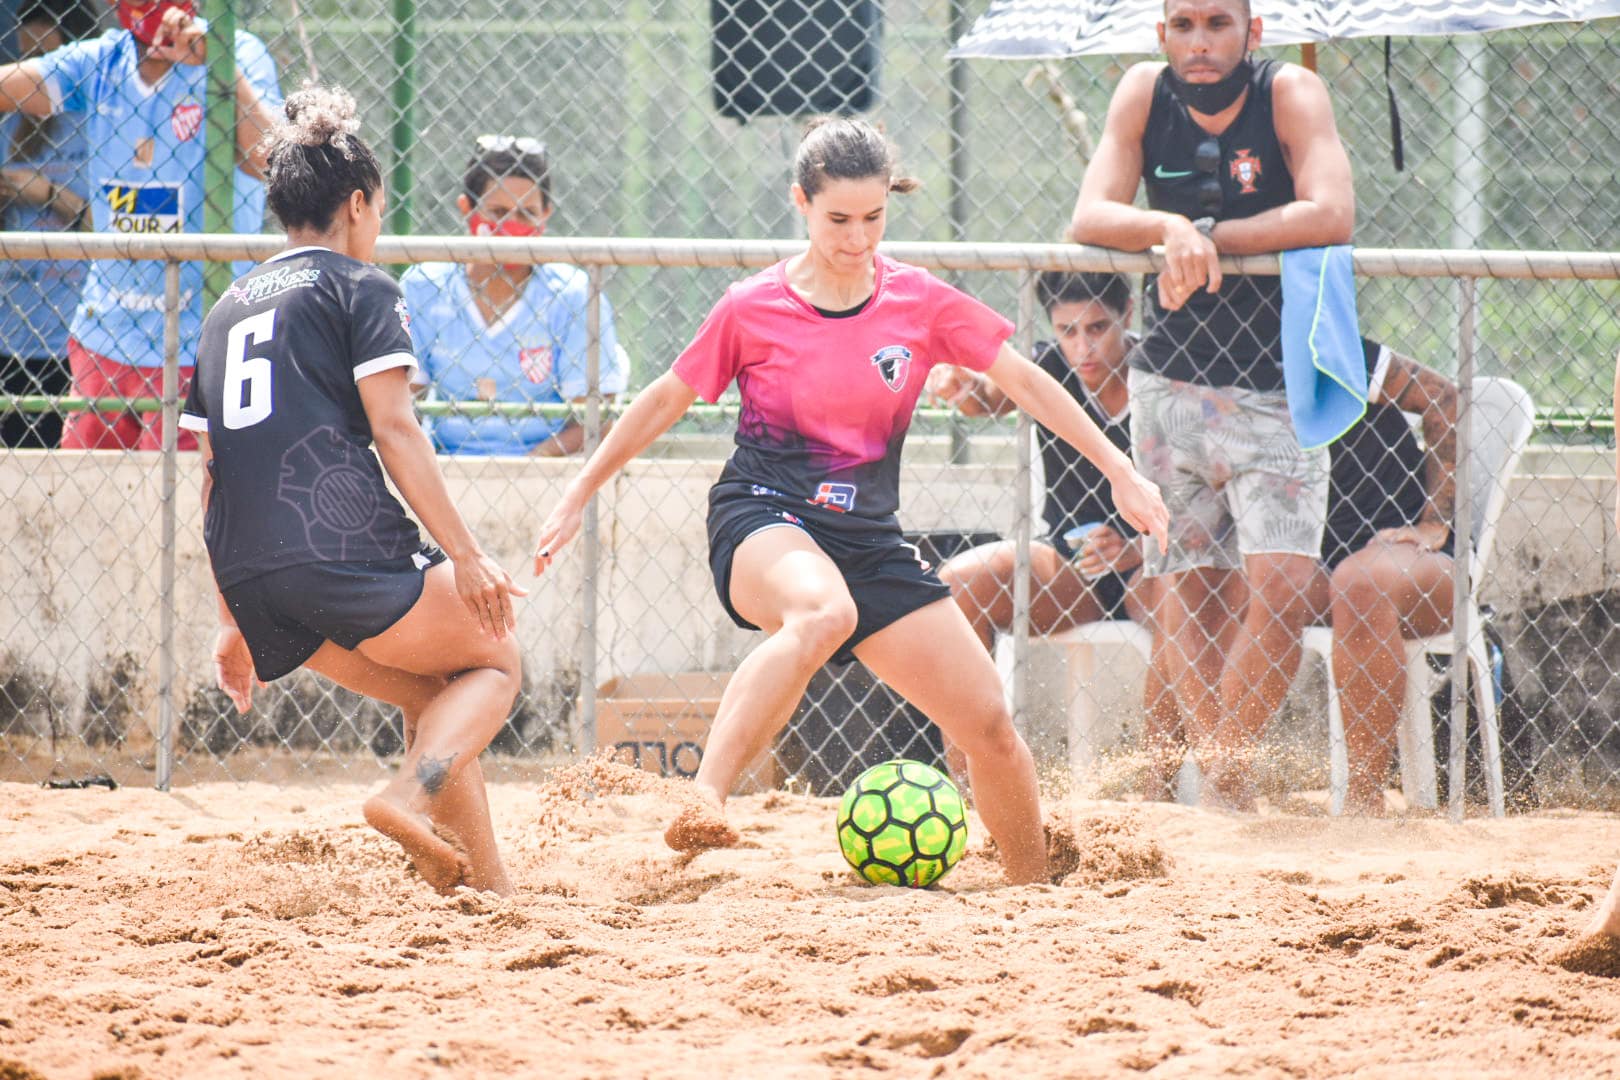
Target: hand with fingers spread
560, 527
1140, 503
1191, 262
233, 668
487, 590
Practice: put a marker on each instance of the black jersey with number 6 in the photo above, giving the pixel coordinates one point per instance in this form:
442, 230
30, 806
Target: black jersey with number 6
275, 390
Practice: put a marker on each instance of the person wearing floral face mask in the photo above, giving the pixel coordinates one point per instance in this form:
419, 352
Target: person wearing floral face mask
512, 332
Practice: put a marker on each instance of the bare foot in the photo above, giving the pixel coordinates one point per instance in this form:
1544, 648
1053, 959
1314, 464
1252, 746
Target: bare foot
1593, 954
1606, 919
700, 826
436, 859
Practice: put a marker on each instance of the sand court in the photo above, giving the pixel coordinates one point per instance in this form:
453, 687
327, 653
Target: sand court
256, 930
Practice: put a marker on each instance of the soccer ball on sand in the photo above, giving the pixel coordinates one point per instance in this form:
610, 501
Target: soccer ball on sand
902, 823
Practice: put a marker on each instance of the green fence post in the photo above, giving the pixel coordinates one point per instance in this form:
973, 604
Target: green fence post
219, 129
404, 134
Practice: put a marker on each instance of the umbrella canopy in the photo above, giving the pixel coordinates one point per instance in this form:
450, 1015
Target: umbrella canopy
1038, 29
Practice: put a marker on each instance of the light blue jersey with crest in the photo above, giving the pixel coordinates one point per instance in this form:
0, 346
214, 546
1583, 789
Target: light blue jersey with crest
536, 352
145, 175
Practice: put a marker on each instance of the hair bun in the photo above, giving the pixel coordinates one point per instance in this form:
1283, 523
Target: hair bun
318, 115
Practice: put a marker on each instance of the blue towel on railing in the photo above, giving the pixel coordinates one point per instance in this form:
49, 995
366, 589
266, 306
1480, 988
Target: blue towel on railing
1324, 368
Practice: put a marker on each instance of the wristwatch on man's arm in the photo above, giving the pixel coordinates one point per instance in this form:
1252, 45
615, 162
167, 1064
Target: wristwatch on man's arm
1205, 225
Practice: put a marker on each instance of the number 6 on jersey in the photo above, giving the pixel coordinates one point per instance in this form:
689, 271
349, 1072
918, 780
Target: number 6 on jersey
247, 379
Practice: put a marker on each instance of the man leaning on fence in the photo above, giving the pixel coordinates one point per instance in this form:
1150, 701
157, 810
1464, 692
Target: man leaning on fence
142, 91
1239, 157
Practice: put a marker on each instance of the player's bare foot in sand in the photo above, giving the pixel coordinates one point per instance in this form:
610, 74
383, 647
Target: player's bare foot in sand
1597, 950
1606, 919
701, 824
435, 859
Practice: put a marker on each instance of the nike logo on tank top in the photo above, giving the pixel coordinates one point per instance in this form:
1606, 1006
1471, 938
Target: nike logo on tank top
1232, 338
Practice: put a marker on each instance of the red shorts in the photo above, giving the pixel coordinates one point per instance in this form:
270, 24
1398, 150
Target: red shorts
97, 376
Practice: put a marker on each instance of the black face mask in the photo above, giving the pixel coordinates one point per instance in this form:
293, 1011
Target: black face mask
1211, 98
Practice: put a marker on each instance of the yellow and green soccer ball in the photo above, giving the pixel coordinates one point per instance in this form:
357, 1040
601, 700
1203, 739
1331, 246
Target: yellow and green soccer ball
902, 823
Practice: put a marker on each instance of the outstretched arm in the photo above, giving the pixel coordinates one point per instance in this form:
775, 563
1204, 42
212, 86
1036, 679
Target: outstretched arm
1038, 394
1413, 388
651, 414
485, 588
233, 664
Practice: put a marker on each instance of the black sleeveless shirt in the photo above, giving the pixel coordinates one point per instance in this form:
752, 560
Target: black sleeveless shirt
1232, 338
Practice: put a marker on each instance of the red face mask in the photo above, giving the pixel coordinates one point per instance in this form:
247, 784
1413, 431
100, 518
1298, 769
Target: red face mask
482, 226
144, 20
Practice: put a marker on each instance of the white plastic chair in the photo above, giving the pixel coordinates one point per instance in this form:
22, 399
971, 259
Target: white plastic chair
1501, 420
1081, 643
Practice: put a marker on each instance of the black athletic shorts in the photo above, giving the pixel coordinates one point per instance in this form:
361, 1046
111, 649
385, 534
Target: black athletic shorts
1108, 589
886, 575
287, 614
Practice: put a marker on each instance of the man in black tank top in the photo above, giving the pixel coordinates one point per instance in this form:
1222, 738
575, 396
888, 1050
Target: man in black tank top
1239, 158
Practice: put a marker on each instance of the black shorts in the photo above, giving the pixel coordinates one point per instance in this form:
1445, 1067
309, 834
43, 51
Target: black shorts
1108, 589
886, 575
287, 614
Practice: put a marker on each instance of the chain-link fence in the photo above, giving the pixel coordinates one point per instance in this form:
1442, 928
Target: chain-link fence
656, 121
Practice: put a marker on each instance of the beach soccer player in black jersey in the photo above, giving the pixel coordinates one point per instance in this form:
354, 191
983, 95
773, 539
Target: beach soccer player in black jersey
302, 365
830, 351
1238, 157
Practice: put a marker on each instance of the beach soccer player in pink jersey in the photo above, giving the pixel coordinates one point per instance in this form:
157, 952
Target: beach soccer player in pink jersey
830, 351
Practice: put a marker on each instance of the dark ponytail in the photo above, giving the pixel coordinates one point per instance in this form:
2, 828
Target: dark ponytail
844, 148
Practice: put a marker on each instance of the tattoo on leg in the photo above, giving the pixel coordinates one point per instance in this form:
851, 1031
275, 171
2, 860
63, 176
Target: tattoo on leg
431, 773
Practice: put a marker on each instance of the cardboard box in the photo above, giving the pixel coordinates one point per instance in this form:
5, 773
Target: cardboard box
661, 723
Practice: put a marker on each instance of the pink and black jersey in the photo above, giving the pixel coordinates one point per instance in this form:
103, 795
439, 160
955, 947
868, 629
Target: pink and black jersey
826, 402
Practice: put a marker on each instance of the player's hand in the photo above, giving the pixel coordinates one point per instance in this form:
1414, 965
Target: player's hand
180, 39
1191, 262
1428, 535
952, 385
233, 668
487, 590
1105, 551
1139, 502
560, 527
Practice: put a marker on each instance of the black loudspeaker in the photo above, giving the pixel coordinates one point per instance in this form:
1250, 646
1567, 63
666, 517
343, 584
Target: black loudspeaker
794, 57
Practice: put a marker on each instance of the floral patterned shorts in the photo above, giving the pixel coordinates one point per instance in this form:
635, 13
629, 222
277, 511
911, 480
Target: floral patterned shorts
1231, 471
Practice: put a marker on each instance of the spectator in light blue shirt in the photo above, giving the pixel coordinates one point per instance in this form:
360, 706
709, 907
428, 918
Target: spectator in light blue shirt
486, 332
42, 189
141, 90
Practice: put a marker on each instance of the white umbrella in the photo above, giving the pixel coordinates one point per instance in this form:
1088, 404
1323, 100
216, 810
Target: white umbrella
1041, 29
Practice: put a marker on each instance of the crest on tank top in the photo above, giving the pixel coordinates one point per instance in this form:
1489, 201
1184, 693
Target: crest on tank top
893, 363
1246, 169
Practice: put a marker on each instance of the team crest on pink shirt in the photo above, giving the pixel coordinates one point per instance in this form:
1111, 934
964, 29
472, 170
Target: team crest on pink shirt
186, 121
893, 362
536, 363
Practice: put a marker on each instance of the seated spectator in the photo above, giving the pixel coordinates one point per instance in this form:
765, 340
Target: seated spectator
42, 189
1082, 569
1385, 573
520, 333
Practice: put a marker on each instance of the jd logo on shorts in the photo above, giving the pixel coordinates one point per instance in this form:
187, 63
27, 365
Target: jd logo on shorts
893, 362
143, 208
840, 497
